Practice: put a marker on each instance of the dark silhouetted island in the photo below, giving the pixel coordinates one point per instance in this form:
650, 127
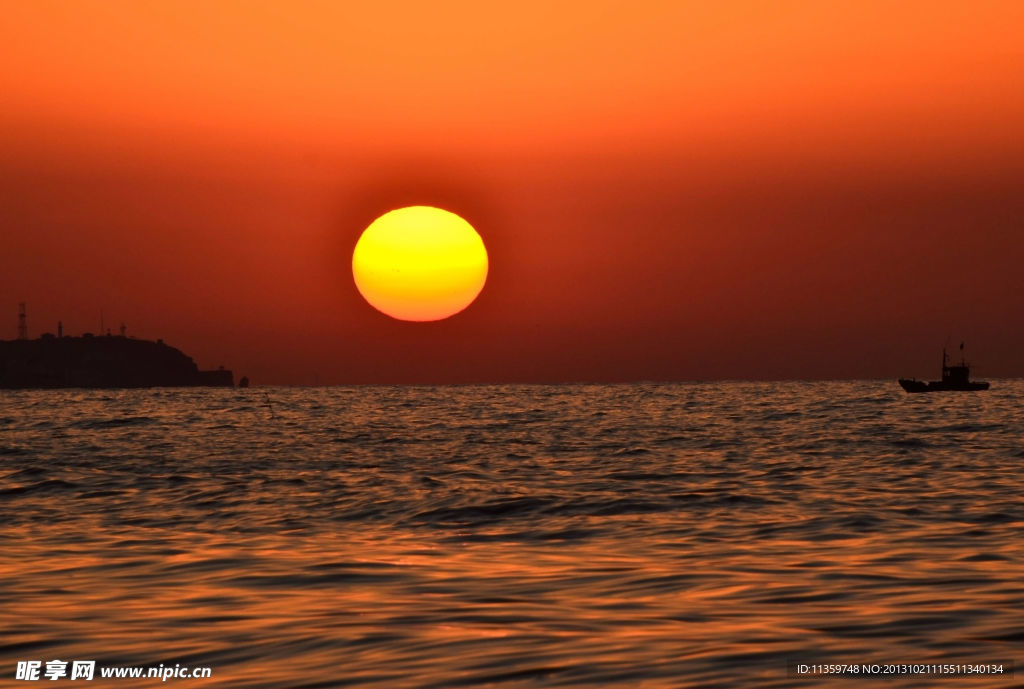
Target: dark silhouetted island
104, 361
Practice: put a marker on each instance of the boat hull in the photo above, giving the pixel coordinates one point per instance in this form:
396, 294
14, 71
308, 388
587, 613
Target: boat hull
911, 385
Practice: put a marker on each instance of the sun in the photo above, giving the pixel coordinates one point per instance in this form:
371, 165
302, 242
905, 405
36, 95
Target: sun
419, 263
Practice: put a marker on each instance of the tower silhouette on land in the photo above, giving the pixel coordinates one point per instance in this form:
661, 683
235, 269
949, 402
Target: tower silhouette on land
22, 322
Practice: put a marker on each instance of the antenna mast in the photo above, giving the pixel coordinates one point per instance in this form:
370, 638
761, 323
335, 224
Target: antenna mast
22, 322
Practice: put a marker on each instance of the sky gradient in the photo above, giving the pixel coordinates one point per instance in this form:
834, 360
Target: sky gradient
669, 191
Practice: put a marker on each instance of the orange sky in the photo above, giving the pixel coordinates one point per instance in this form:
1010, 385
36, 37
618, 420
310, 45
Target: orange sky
671, 190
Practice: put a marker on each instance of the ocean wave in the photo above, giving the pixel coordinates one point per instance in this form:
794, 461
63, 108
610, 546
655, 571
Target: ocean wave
527, 536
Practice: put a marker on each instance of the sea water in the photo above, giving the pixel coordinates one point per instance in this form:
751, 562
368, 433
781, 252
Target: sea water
644, 535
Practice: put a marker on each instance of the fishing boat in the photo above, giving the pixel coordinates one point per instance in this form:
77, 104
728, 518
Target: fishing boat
954, 378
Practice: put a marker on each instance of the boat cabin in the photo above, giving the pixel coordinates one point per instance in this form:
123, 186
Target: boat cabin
956, 374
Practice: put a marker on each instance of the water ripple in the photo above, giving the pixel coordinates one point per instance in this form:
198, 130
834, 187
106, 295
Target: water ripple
516, 536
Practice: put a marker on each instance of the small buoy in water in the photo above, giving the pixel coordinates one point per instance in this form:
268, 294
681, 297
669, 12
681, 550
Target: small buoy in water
244, 382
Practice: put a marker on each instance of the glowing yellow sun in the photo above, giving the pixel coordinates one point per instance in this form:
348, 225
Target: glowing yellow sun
419, 264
